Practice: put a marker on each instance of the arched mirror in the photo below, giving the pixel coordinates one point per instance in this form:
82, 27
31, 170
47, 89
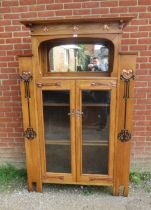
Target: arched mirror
70, 56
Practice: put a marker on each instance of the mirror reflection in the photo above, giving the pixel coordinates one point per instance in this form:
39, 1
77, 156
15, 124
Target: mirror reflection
78, 58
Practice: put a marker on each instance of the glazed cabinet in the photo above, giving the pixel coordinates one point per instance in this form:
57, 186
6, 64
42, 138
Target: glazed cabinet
76, 92
77, 130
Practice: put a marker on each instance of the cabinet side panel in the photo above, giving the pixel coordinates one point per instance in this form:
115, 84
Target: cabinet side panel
122, 149
31, 146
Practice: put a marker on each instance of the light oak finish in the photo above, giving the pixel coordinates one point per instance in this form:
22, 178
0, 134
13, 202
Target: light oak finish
46, 32
64, 85
122, 150
87, 85
121, 19
32, 147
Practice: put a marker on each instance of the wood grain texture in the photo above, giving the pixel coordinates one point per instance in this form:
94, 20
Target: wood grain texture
49, 31
64, 85
76, 20
86, 85
122, 151
31, 146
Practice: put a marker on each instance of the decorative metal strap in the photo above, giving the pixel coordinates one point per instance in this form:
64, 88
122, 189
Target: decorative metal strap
26, 77
98, 179
127, 74
29, 133
53, 177
112, 84
40, 84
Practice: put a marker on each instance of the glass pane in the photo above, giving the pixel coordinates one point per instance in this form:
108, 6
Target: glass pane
95, 131
56, 106
79, 58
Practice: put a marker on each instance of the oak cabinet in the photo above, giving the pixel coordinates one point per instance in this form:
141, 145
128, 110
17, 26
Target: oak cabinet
75, 91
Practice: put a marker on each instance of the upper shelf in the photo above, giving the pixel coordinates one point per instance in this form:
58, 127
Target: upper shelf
120, 20
77, 26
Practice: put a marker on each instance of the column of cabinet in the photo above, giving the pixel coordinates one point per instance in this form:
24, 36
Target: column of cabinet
77, 126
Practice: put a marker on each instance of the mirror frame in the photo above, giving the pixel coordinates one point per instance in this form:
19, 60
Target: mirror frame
45, 47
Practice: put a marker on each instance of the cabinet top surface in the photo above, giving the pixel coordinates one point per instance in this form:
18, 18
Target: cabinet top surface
31, 22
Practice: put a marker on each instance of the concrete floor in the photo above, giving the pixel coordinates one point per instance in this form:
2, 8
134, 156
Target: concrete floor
74, 198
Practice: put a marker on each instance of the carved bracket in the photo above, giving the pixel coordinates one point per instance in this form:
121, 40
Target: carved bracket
121, 24
127, 74
29, 133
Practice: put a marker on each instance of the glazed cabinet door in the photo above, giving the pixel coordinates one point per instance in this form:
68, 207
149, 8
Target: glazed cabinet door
56, 99
95, 127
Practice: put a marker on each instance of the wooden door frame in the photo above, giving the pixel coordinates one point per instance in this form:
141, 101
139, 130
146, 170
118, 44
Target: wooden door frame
50, 177
87, 178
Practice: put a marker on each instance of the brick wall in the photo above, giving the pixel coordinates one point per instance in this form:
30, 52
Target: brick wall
15, 39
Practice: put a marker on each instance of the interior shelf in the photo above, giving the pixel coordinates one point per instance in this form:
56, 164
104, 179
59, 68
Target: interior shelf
55, 104
85, 143
84, 105
96, 105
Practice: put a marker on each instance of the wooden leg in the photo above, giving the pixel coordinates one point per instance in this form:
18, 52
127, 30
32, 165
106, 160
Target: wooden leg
30, 186
115, 190
39, 186
126, 191
120, 190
